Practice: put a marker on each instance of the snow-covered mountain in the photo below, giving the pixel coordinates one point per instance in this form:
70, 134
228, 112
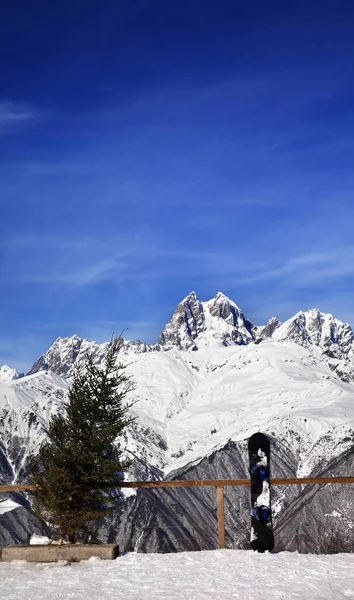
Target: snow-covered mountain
26, 405
313, 329
196, 324
188, 404
65, 353
211, 381
219, 322
193, 325
8, 374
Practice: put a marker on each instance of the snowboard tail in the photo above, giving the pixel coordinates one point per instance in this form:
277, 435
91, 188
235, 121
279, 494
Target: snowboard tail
262, 537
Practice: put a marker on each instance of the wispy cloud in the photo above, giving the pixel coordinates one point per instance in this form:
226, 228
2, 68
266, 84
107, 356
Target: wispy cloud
132, 256
13, 114
79, 274
313, 268
140, 256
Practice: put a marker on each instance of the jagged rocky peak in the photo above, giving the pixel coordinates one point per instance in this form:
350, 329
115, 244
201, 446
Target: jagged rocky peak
196, 324
222, 306
8, 374
65, 352
238, 330
186, 323
267, 331
314, 328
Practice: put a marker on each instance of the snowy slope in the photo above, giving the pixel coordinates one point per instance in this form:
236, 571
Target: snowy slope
26, 405
219, 574
198, 401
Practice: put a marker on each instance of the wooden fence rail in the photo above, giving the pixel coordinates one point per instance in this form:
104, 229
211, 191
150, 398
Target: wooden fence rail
218, 483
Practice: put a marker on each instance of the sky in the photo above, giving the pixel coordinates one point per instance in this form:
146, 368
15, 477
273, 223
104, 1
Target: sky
150, 148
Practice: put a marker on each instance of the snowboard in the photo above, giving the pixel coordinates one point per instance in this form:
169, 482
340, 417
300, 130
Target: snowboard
262, 537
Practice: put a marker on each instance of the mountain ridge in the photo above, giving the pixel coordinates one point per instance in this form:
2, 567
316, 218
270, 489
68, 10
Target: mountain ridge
195, 325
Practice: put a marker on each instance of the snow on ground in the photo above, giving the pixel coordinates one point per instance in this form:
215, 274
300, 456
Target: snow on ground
39, 540
217, 574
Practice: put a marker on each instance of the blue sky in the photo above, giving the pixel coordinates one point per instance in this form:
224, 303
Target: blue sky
150, 148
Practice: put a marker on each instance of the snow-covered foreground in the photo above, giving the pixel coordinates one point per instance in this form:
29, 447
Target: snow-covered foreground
218, 574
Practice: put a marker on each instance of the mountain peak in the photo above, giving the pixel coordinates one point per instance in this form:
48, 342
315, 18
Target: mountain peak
312, 328
267, 331
220, 297
8, 374
196, 324
64, 352
191, 297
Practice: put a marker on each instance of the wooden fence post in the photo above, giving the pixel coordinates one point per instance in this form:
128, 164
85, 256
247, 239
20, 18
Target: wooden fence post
221, 515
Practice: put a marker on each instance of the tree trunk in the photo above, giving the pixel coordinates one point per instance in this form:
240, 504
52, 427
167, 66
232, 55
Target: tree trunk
72, 537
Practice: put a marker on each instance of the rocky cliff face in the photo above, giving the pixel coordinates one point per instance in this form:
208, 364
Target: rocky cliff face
186, 324
196, 324
18, 525
65, 353
268, 330
308, 519
315, 330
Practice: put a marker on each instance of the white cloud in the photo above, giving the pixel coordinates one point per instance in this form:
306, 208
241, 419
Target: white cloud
13, 114
76, 262
308, 269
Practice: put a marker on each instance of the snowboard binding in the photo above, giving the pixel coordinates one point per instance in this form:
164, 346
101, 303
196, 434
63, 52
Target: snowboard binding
262, 514
260, 471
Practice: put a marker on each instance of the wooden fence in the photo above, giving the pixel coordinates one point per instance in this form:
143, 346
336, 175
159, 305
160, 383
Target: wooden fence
218, 483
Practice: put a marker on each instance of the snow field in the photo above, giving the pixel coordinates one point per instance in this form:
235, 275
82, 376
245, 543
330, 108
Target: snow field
217, 574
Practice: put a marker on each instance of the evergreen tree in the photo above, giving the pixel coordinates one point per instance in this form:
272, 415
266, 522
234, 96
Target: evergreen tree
79, 467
